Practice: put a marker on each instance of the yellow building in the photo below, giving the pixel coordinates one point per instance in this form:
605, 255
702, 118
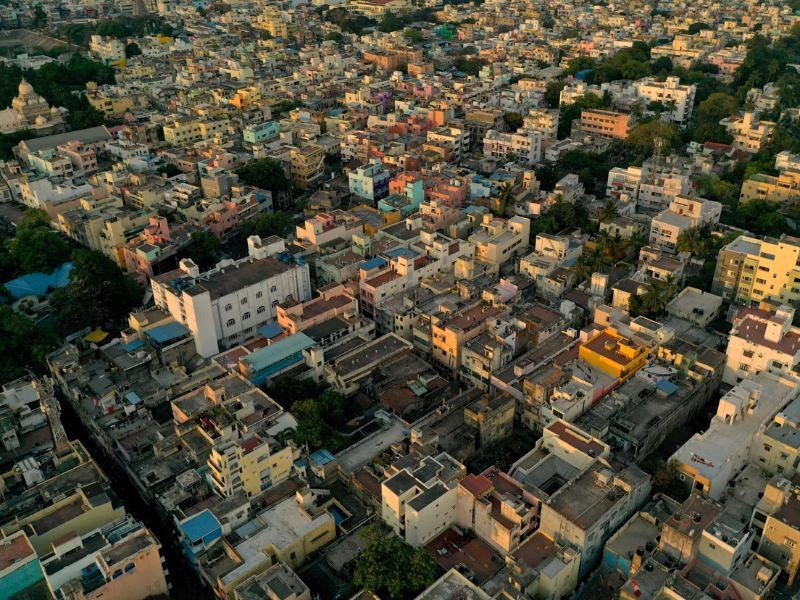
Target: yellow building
250, 465
776, 517
781, 188
114, 102
614, 354
181, 132
750, 270
308, 166
288, 532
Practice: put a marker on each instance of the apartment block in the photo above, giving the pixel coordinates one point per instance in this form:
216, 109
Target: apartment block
251, 464
606, 123
498, 240
678, 99
749, 132
684, 213
762, 341
224, 306
524, 146
419, 497
750, 270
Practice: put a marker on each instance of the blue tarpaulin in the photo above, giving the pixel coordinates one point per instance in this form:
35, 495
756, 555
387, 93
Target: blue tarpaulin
39, 284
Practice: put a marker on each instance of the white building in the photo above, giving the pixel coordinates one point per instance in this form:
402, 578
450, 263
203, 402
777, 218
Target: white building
419, 501
523, 145
677, 99
226, 305
761, 341
709, 460
683, 214
749, 132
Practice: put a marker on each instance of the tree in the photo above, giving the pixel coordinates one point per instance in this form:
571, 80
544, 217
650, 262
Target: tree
38, 249
132, 50
644, 136
168, 170
313, 427
413, 35
265, 173
267, 224
334, 36
203, 249
391, 568
552, 94
716, 107
609, 210
34, 218
23, 345
98, 293
570, 112
513, 120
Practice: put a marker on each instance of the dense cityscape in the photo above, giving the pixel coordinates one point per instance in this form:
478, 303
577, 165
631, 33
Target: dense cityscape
399, 299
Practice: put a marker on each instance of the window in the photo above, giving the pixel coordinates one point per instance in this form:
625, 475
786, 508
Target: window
274, 288
777, 364
744, 367
261, 309
789, 542
245, 316
228, 307
259, 294
747, 354
275, 303
231, 322
244, 300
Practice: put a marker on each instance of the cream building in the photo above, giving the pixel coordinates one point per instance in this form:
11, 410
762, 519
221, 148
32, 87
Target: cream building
749, 132
250, 465
750, 270
418, 501
761, 341
677, 98
684, 213
498, 240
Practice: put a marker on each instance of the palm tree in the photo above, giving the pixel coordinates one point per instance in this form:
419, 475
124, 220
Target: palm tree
504, 198
608, 211
594, 261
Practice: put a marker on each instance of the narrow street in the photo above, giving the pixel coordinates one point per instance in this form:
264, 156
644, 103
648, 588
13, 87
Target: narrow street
185, 583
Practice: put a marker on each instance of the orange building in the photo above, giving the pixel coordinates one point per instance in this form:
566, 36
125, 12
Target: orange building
607, 123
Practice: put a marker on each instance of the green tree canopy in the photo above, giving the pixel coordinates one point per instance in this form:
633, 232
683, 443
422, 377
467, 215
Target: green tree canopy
267, 224
264, 173
203, 249
513, 120
645, 136
98, 293
391, 568
23, 345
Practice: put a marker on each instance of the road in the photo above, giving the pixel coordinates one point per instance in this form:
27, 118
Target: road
184, 580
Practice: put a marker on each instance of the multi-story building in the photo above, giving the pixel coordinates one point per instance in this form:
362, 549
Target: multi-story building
762, 340
370, 181
224, 306
708, 461
308, 166
21, 574
418, 500
683, 214
749, 132
498, 240
775, 517
542, 121
523, 145
110, 50
121, 561
479, 122
677, 99
776, 448
614, 354
457, 140
750, 270
606, 123
586, 510
250, 465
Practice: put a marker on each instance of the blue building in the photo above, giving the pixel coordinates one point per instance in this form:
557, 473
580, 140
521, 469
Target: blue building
270, 361
21, 572
256, 134
198, 532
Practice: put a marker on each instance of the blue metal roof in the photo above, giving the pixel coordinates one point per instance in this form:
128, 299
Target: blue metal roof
322, 457
38, 284
270, 330
269, 355
667, 387
199, 526
133, 345
397, 252
133, 398
374, 263
166, 333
